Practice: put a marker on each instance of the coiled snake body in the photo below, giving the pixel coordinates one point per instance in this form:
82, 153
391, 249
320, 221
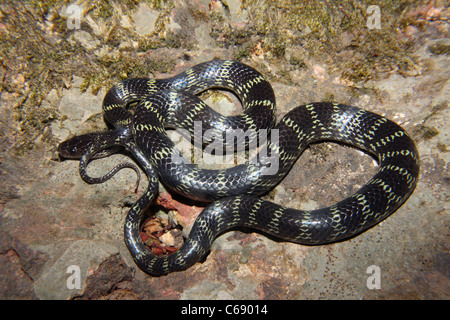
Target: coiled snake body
140, 109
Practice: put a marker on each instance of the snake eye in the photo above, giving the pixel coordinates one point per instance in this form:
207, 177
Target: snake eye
73, 150
67, 149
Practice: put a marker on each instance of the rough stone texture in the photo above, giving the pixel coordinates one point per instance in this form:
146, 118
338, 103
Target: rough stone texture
51, 220
20, 265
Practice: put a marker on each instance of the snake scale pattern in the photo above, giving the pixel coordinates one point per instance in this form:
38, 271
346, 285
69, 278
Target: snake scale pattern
139, 110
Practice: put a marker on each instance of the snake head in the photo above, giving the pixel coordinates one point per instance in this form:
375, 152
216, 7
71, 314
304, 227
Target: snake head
77, 146
96, 144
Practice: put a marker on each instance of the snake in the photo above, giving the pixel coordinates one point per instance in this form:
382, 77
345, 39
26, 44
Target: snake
139, 111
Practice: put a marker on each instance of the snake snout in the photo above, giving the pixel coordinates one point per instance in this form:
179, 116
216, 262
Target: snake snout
75, 148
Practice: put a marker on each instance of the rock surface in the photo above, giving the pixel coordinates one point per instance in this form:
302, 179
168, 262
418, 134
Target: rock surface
51, 220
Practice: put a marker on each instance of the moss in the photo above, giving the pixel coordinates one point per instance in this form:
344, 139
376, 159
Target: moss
439, 48
28, 54
329, 97
442, 147
318, 27
156, 4
120, 67
243, 51
426, 132
101, 9
39, 48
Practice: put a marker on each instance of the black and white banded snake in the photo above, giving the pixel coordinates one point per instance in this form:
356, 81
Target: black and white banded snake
140, 109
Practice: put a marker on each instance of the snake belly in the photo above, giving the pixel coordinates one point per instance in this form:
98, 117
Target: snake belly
141, 109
